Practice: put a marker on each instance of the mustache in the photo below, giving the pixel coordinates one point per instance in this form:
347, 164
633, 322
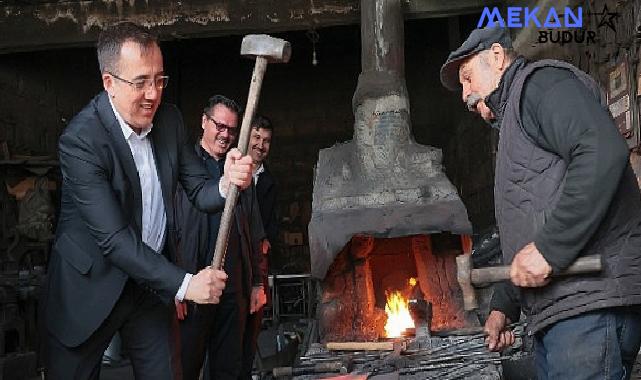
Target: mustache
472, 100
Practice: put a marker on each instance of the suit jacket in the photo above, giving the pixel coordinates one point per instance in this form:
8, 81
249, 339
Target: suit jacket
193, 231
267, 192
98, 245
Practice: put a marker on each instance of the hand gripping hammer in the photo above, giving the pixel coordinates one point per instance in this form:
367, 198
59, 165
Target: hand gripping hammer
265, 49
468, 277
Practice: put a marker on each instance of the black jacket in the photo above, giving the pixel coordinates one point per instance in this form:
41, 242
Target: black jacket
193, 231
98, 245
267, 193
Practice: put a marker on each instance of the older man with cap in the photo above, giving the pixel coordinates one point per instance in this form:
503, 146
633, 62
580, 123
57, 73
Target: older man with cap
564, 188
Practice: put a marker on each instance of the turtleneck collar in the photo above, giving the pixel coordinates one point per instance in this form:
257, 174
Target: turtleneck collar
497, 99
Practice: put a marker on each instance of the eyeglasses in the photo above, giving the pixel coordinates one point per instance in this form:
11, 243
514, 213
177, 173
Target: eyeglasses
221, 127
159, 82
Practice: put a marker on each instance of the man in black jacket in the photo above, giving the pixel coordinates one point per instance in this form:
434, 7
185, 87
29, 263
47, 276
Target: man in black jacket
110, 269
218, 330
259, 145
564, 188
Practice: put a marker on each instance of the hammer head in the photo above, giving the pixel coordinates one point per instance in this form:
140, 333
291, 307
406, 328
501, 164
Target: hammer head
262, 45
464, 277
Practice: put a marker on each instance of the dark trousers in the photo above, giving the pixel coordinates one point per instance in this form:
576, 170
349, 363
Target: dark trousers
225, 347
195, 332
250, 340
214, 331
601, 344
144, 325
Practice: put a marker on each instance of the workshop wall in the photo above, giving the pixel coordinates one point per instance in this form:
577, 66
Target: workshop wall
309, 105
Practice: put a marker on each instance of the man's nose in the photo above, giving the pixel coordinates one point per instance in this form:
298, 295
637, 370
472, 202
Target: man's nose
465, 93
152, 92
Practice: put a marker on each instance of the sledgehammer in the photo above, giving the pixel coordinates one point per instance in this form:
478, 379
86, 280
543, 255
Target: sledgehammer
468, 277
265, 49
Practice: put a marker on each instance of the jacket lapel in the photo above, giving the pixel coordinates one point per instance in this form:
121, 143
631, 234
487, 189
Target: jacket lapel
109, 121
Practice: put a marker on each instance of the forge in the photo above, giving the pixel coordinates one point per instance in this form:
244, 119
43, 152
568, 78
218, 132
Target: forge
383, 210
352, 305
381, 183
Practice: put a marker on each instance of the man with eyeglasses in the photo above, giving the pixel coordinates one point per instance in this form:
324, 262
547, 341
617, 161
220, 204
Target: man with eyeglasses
111, 265
218, 330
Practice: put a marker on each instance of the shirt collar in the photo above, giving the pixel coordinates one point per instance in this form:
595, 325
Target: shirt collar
127, 131
259, 170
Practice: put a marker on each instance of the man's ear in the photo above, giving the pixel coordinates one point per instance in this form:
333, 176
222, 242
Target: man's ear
498, 56
108, 83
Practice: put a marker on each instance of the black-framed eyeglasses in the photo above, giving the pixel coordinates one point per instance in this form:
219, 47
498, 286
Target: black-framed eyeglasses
221, 127
159, 82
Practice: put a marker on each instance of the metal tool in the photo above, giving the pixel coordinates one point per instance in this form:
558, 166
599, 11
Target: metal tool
265, 49
467, 277
337, 367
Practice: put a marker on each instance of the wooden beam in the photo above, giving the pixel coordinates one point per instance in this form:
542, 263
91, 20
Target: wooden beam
39, 25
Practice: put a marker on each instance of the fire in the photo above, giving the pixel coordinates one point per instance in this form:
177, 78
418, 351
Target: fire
398, 315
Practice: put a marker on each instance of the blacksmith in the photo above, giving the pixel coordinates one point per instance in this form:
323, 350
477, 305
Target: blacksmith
564, 188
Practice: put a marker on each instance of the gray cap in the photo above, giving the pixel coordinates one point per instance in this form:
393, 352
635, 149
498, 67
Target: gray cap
479, 40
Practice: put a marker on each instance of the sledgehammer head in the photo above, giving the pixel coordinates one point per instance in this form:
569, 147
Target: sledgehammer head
464, 277
262, 45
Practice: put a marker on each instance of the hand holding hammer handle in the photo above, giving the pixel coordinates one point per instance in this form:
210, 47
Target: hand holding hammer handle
587, 264
264, 48
233, 191
468, 277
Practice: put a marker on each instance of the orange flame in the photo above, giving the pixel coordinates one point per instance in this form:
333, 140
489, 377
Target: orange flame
398, 315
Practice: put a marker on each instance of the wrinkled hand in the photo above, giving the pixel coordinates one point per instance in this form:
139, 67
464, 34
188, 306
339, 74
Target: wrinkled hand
499, 337
265, 246
258, 299
206, 286
181, 310
529, 268
238, 170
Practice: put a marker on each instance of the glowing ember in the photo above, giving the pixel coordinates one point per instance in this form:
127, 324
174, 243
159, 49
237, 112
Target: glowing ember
398, 315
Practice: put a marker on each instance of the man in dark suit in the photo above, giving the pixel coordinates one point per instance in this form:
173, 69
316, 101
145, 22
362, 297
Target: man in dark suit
266, 190
219, 330
110, 268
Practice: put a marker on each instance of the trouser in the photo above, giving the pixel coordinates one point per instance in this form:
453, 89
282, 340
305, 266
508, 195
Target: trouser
601, 344
225, 347
195, 333
144, 325
250, 340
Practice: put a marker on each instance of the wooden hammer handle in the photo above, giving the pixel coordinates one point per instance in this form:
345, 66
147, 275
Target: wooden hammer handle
587, 264
233, 192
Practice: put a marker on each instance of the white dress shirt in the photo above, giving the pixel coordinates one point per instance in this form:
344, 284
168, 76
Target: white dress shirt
258, 172
154, 219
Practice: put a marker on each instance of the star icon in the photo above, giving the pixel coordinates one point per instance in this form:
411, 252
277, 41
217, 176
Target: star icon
607, 18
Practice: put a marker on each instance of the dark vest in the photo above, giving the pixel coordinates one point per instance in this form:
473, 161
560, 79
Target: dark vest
528, 183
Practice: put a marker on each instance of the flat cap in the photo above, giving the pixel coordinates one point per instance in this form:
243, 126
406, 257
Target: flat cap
479, 40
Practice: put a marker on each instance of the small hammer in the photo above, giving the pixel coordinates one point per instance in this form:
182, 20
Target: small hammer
265, 49
467, 277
